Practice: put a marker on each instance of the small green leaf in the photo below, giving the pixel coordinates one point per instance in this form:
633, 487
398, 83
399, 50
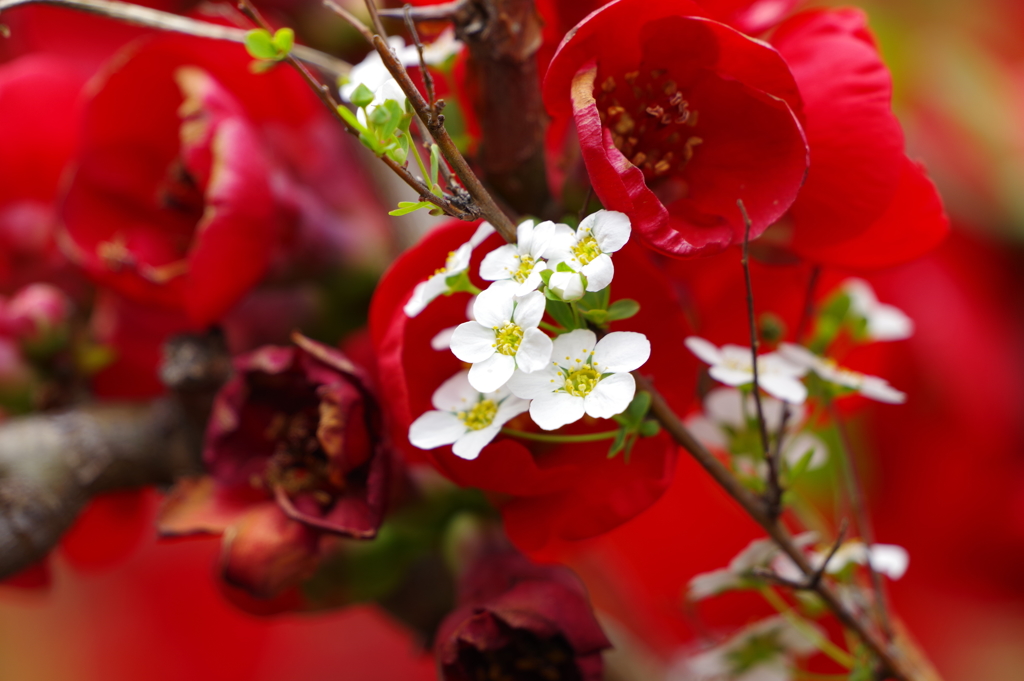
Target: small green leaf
350, 118
563, 267
435, 162
395, 115
596, 316
639, 407
406, 207
801, 465
649, 428
623, 309
379, 118
617, 444
561, 313
259, 44
284, 39
362, 96
545, 276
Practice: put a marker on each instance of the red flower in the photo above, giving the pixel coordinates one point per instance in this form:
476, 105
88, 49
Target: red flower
864, 204
296, 459
525, 620
194, 176
545, 492
678, 118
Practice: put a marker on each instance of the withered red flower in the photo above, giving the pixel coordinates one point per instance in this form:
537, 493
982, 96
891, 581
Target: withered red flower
546, 493
678, 118
297, 457
524, 620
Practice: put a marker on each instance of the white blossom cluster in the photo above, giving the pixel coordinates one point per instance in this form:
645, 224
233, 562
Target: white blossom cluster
515, 365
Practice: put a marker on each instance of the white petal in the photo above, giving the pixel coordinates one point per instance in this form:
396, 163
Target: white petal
611, 229
599, 272
469, 445
442, 340
532, 386
543, 234
574, 348
480, 235
534, 352
560, 246
455, 394
724, 406
621, 351
706, 432
510, 408
529, 310
458, 260
554, 410
890, 560
705, 350
800, 356
711, 583
524, 236
774, 363
501, 263
473, 342
610, 396
733, 377
492, 373
888, 323
424, 293
783, 387
568, 285
879, 389
798, 447
436, 428
493, 307
533, 280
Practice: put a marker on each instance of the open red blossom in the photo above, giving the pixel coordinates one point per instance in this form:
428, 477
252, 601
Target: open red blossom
545, 492
678, 117
524, 620
296, 458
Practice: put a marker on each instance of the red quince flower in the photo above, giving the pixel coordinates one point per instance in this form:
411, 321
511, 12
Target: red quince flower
544, 492
526, 620
296, 457
678, 117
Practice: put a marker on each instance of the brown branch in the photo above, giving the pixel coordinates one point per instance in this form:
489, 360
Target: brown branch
378, 27
52, 464
446, 11
173, 23
352, 20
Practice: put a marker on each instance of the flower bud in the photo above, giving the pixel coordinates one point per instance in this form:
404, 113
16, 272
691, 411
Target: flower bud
37, 311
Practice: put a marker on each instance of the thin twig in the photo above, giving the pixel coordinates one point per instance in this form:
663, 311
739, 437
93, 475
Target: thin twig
488, 208
810, 583
352, 19
378, 26
860, 513
807, 314
172, 23
446, 11
774, 491
428, 80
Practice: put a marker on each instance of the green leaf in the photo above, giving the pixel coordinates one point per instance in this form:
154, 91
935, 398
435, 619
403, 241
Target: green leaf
395, 115
596, 316
362, 96
649, 428
378, 118
260, 66
406, 207
350, 118
260, 45
283, 40
617, 444
435, 163
639, 407
623, 309
564, 267
801, 466
545, 276
561, 313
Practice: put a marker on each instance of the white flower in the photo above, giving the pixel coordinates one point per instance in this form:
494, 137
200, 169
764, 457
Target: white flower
884, 322
465, 416
584, 376
758, 554
872, 387
568, 285
732, 365
587, 249
372, 73
522, 261
503, 336
729, 413
456, 262
762, 651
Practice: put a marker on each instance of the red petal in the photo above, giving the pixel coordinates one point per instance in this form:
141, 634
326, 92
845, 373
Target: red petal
856, 142
267, 553
914, 223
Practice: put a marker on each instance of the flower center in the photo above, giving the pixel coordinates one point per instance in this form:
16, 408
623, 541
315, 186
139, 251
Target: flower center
581, 382
480, 416
526, 264
586, 250
447, 263
507, 338
650, 120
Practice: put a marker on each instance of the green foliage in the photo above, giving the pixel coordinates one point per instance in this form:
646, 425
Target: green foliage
268, 49
633, 425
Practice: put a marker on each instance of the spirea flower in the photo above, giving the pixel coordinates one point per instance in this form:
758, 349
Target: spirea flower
740, 571
523, 261
502, 337
465, 417
872, 387
585, 376
888, 559
456, 263
763, 651
883, 322
588, 250
733, 365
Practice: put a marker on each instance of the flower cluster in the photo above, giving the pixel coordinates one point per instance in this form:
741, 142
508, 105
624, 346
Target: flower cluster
515, 365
